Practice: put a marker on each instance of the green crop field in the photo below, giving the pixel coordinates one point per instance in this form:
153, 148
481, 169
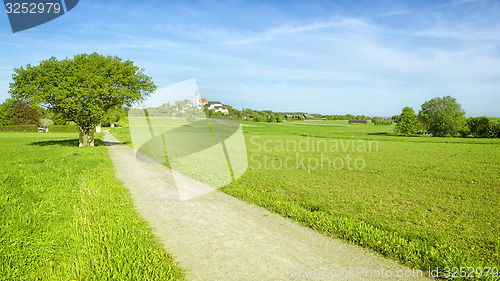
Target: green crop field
64, 215
427, 202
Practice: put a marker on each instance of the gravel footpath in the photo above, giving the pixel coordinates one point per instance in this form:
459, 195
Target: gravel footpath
218, 237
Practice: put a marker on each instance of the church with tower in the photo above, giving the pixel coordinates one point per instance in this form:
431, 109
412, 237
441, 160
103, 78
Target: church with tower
215, 106
198, 101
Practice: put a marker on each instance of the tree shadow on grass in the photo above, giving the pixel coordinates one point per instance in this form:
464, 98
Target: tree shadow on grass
379, 134
66, 143
389, 134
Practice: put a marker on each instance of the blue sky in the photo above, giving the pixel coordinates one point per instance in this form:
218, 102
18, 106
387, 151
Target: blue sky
329, 57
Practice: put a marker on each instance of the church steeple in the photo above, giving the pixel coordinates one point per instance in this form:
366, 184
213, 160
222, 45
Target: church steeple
197, 97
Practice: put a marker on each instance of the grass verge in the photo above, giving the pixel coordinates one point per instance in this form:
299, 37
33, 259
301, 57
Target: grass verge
64, 215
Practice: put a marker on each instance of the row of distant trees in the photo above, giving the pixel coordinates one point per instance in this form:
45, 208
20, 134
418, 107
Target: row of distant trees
180, 109
271, 116
254, 115
445, 117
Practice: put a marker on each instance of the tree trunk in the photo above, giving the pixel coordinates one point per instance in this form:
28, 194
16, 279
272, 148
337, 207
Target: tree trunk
86, 136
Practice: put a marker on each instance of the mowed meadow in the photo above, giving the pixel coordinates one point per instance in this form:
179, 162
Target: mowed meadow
428, 202
64, 215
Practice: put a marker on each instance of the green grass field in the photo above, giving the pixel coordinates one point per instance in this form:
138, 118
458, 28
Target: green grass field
64, 215
427, 202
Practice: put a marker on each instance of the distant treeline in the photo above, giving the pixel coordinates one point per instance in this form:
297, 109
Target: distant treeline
271, 116
181, 108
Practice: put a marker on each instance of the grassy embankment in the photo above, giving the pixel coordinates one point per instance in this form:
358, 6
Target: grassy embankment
64, 215
427, 202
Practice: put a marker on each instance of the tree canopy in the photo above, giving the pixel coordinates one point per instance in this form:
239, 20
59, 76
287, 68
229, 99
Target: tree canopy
442, 116
18, 112
82, 88
482, 127
24, 114
407, 121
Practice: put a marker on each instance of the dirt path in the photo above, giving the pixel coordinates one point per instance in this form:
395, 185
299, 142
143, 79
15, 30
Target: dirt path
218, 237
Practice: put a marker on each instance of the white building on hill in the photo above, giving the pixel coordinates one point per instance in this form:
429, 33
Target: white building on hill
215, 106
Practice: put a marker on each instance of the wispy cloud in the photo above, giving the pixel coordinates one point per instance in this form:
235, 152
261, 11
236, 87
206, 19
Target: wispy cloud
458, 32
289, 29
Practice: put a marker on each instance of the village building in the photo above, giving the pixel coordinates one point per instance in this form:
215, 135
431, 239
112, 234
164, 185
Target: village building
215, 106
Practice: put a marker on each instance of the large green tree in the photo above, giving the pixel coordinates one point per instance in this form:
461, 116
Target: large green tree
82, 88
442, 116
407, 121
